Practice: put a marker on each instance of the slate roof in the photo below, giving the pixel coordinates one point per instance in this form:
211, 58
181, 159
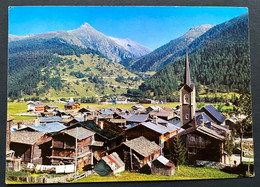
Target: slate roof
26, 137
52, 106
203, 116
106, 112
48, 127
109, 133
49, 119
126, 116
142, 146
70, 103
138, 118
37, 103
162, 129
162, 113
213, 111
83, 133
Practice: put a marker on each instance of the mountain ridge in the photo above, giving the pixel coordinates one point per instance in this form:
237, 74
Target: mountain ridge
155, 60
87, 37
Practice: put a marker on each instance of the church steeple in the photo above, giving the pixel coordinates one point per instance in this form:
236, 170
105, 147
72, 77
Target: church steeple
187, 95
187, 69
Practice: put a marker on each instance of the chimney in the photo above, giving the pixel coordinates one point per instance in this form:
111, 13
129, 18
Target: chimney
85, 117
194, 121
201, 122
96, 120
19, 125
101, 125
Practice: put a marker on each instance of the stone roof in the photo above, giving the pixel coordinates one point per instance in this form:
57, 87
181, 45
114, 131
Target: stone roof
26, 137
82, 133
142, 146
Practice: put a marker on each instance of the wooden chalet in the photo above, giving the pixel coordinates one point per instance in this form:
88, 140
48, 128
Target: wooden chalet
205, 140
121, 100
8, 132
69, 121
134, 118
72, 106
153, 131
163, 114
36, 106
110, 164
108, 133
137, 152
25, 144
146, 101
61, 148
151, 108
48, 108
162, 166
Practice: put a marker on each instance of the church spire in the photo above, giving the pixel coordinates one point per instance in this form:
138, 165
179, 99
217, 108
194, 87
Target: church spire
187, 69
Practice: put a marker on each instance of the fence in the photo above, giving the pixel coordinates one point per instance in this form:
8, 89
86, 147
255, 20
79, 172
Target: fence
41, 179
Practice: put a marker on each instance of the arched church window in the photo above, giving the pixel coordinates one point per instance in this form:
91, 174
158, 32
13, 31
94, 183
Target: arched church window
187, 116
186, 99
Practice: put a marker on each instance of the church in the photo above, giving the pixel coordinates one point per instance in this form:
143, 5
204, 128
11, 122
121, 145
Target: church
205, 130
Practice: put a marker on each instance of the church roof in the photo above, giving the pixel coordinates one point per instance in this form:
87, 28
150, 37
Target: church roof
216, 114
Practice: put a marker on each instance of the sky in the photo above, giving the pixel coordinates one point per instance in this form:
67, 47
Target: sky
149, 26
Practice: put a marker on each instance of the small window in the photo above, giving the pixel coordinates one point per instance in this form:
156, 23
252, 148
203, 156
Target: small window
201, 139
186, 99
192, 138
187, 116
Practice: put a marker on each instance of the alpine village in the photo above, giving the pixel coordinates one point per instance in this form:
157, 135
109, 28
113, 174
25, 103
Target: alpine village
182, 111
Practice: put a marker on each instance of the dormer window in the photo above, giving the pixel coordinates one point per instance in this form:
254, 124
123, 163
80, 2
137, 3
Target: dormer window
186, 99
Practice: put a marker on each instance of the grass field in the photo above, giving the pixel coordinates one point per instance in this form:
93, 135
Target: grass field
16, 108
185, 173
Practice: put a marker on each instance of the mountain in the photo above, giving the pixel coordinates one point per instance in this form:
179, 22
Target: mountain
54, 68
87, 37
135, 48
157, 59
219, 60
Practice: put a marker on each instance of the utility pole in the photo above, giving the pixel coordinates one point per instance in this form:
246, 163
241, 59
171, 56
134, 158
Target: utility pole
76, 150
131, 159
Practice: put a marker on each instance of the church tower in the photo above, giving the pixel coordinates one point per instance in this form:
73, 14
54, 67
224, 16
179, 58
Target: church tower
187, 95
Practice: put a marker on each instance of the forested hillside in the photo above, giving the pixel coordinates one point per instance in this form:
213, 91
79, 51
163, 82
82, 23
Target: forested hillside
157, 59
57, 68
221, 62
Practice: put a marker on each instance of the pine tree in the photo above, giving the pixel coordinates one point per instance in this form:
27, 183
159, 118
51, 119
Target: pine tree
177, 151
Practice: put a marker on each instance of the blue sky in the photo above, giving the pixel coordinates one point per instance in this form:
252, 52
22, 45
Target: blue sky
149, 26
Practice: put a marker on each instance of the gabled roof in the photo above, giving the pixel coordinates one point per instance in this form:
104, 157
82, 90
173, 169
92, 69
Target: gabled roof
216, 114
142, 146
162, 113
164, 161
49, 119
114, 161
48, 127
36, 103
154, 107
203, 117
70, 103
52, 106
138, 118
106, 112
161, 129
26, 137
80, 134
111, 132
